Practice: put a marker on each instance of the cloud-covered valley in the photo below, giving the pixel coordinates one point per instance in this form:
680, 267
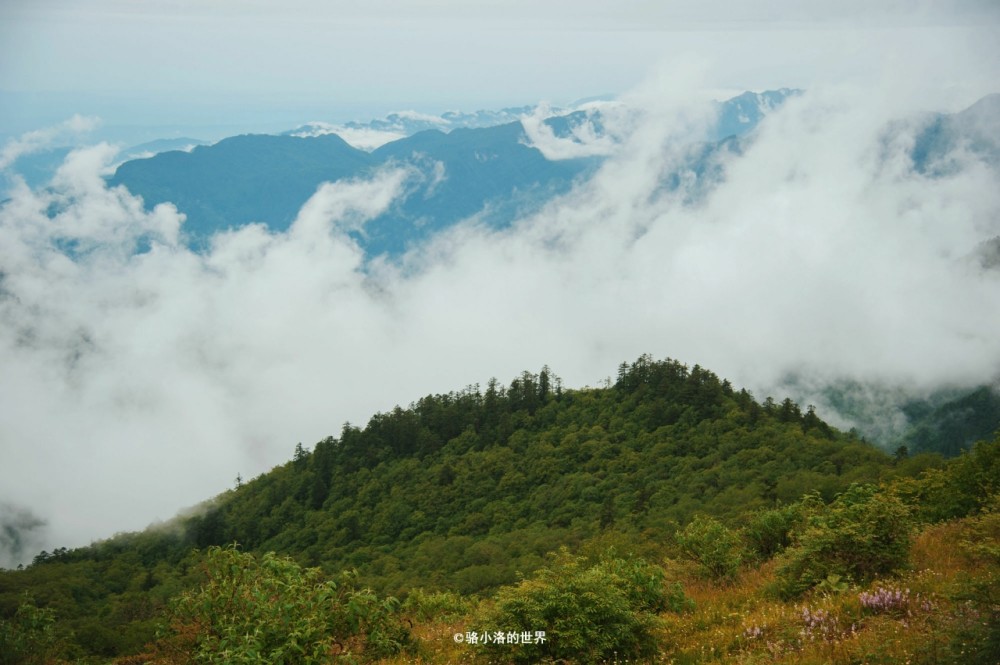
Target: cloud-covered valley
140, 376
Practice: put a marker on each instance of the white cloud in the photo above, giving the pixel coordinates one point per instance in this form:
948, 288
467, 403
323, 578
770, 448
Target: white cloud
135, 384
420, 117
34, 141
349, 204
586, 140
363, 138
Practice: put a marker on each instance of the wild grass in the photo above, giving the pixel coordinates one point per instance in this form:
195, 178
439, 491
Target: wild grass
928, 614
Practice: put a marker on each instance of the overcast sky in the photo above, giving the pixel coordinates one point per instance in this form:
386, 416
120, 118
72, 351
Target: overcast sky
266, 65
132, 386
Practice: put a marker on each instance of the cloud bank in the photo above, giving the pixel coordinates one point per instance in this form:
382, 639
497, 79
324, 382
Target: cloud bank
140, 377
586, 138
43, 138
363, 138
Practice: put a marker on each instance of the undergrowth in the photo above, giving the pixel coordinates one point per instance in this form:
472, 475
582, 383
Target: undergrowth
941, 609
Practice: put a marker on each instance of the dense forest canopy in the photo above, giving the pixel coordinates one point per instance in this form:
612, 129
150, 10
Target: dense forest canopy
467, 492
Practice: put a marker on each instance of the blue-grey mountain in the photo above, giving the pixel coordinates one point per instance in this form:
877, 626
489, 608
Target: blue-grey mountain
491, 171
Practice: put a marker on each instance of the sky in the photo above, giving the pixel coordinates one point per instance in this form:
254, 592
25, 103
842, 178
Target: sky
133, 386
219, 67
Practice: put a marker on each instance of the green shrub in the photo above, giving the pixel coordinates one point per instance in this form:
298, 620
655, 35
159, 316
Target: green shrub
588, 614
976, 636
768, 532
29, 637
714, 547
980, 537
269, 610
961, 488
428, 606
864, 533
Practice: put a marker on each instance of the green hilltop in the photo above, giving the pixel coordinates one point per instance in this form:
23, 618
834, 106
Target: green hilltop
465, 496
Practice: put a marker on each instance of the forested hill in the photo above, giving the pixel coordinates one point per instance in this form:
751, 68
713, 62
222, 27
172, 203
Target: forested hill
464, 490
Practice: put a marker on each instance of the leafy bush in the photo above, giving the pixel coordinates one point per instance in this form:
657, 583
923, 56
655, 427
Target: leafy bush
29, 637
588, 614
768, 532
714, 547
976, 638
269, 610
428, 606
981, 534
962, 488
832, 585
864, 533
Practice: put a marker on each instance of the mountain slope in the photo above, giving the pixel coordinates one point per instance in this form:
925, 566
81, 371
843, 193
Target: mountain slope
945, 138
951, 427
260, 178
243, 179
463, 490
488, 170
741, 114
469, 490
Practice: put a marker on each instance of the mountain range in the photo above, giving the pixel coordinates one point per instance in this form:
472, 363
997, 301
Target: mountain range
476, 168
484, 166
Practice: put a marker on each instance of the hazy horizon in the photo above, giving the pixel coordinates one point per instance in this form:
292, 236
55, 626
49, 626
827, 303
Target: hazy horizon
258, 66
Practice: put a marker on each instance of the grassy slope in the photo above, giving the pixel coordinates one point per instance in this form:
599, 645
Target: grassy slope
943, 622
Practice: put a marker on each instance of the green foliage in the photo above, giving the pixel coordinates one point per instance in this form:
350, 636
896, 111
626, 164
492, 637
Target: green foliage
435, 605
525, 468
269, 610
107, 598
768, 532
981, 537
588, 614
964, 487
462, 492
716, 549
833, 584
862, 534
977, 638
951, 427
29, 637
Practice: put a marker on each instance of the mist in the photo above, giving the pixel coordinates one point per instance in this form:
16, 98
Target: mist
21, 534
140, 377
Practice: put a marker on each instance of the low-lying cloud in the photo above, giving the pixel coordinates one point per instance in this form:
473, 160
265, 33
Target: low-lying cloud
134, 384
21, 535
363, 138
585, 139
43, 138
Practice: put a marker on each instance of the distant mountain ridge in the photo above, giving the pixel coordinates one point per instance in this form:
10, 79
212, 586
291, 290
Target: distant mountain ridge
948, 421
742, 113
475, 168
736, 116
263, 178
150, 148
975, 129
401, 124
